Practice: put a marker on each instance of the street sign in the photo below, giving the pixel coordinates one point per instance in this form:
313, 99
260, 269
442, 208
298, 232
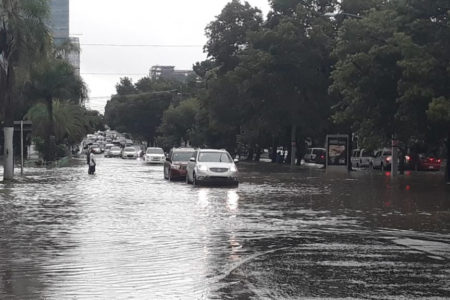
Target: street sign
27, 126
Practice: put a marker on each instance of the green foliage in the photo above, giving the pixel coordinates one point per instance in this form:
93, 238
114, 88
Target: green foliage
392, 70
178, 122
227, 35
139, 114
24, 40
125, 86
439, 110
56, 79
70, 120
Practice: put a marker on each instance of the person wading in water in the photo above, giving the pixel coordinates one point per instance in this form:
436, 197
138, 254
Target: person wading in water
92, 163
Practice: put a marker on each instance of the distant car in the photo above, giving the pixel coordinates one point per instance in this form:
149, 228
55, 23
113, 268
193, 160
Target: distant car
425, 162
96, 148
383, 159
176, 163
211, 166
361, 158
107, 148
315, 155
113, 151
155, 155
129, 152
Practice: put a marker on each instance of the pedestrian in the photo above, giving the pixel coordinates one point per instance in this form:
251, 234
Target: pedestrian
279, 157
92, 163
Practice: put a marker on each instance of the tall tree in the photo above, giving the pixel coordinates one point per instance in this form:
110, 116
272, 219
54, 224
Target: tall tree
227, 35
138, 114
56, 79
24, 39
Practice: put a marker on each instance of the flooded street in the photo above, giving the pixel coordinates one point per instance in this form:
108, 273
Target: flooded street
126, 233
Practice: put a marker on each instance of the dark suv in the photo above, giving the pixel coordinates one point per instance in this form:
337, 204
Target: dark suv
176, 162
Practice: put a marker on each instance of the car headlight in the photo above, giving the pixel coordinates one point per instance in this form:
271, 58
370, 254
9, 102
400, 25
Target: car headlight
202, 168
176, 167
233, 168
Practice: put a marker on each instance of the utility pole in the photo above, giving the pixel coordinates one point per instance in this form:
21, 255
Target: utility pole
394, 156
21, 147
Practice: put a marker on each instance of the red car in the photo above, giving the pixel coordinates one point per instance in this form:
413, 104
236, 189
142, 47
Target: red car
427, 162
176, 162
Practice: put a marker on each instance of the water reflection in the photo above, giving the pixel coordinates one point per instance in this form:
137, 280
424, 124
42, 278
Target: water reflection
232, 201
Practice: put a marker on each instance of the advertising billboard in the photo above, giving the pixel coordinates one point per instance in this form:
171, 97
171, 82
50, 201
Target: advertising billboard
337, 151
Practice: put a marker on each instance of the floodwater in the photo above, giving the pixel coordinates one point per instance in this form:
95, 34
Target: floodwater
126, 233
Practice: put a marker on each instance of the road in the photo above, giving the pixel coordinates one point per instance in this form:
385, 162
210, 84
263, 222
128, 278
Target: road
126, 233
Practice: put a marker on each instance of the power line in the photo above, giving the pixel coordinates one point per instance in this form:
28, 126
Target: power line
142, 45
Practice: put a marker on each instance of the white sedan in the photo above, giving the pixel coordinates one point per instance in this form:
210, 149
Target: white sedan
155, 155
129, 152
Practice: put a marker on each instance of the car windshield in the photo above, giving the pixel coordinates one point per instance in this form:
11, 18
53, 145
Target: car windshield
115, 148
214, 157
129, 149
182, 156
387, 153
155, 151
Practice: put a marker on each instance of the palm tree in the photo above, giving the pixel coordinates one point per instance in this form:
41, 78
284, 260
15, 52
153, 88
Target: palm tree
24, 39
56, 79
71, 122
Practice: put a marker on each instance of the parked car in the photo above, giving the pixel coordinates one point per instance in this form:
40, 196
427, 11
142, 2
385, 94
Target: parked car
383, 158
129, 152
154, 155
315, 155
176, 163
114, 151
424, 162
361, 158
212, 166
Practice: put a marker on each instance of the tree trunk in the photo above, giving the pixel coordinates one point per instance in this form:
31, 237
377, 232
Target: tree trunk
8, 172
51, 143
293, 144
258, 153
274, 151
250, 154
8, 129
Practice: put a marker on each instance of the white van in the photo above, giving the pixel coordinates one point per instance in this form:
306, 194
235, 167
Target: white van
361, 158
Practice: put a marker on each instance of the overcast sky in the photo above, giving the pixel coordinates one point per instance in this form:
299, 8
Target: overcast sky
139, 22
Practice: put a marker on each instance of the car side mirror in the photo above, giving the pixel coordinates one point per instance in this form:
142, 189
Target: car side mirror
192, 159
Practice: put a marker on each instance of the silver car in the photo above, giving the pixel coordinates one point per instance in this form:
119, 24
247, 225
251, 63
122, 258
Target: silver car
212, 166
129, 152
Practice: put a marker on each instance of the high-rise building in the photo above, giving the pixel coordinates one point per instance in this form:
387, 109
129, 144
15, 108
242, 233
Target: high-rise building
60, 27
60, 18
